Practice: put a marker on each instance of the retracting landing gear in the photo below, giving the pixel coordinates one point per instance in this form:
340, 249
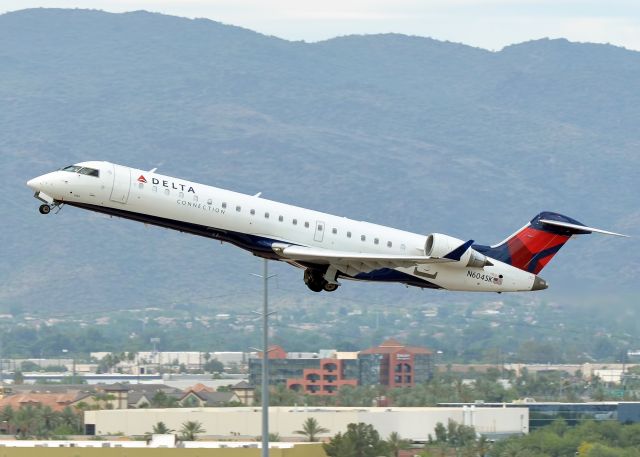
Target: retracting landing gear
46, 208
316, 282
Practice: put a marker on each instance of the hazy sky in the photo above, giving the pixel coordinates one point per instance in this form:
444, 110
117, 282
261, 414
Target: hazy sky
484, 23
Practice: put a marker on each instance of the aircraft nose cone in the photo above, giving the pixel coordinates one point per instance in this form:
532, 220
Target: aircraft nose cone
539, 284
34, 183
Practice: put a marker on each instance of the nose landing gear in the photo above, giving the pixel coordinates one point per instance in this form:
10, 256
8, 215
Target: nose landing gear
46, 208
315, 281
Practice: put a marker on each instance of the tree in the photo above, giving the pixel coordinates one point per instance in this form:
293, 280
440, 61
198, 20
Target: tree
71, 420
161, 428
441, 433
28, 365
26, 421
7, 415
49, 419
213, 366
18, 377
395, 444
162, 400
311, 429
482, 446
190, 430
360, 440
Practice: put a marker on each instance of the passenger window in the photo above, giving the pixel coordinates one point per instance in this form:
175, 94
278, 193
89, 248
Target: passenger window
253, 211
238, 208
181, 194
306, 224
334, 231
363, 238
155, 188
280, 218
389, 244
166, 191
376, 241
224, 204
294, 222
348, 234
209, 202
140, 185
319, 227
195, 198
266, 215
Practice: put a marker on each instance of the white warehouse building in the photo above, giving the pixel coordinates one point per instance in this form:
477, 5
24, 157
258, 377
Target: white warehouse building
412, 423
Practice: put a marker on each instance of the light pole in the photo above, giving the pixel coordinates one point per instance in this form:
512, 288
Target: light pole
64, 354
265, 357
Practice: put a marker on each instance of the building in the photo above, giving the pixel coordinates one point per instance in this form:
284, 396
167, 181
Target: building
282, 366
244, 392
394, 364
391, 364
327, 378
544, 413
415, 424
123, 396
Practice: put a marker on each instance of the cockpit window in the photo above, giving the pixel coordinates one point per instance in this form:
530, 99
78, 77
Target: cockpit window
89, 172
82, 170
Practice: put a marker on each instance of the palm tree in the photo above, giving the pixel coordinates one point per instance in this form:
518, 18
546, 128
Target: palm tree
26, 420
311, 429
161, 429
7, 415
396, 444
49, 417
190, 429
71, 420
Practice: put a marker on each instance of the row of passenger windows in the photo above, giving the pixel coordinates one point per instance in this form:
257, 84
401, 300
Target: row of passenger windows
320, 227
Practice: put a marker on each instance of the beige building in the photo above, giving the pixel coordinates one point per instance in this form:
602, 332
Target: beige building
413, 423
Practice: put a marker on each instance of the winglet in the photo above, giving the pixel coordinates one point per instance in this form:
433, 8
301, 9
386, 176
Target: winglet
457, 253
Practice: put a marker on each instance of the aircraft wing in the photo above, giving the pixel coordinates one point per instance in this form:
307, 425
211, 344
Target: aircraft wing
351, 262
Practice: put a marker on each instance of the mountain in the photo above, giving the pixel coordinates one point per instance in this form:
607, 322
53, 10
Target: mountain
405, 131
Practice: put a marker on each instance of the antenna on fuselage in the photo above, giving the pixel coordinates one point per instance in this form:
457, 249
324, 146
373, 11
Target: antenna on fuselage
153, 170
258, 194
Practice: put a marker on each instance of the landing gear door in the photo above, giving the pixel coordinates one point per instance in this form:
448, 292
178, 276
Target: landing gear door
319, 235
121, 184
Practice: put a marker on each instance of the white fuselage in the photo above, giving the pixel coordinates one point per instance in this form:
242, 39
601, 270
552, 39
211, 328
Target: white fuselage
254, 223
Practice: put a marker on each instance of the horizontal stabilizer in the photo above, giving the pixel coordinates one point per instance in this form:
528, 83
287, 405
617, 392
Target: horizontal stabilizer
579, 229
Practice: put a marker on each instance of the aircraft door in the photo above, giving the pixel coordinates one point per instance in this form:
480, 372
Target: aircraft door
319, 235
121, 184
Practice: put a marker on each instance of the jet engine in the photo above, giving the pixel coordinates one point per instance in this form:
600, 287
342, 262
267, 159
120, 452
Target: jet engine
439, 245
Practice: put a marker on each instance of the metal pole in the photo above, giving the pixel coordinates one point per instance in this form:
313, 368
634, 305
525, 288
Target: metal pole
265, 358
265, 364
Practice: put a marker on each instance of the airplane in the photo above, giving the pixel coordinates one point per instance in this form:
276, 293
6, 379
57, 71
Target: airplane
327, 247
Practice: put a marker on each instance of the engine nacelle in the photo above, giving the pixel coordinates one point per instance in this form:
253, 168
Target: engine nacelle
439, 245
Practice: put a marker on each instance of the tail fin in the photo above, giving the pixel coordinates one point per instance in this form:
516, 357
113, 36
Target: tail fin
534, 245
